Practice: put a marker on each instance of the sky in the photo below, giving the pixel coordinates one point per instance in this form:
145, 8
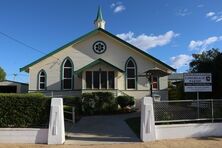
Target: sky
170, 30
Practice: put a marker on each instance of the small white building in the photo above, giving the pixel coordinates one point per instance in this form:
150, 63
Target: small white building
97, 61
7, 86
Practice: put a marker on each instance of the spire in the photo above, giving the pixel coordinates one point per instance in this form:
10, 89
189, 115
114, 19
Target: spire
99, 22
99, 16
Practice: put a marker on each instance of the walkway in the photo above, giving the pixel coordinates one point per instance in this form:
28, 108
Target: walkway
101, 129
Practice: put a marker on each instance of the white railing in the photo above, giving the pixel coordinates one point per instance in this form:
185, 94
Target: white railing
70, 114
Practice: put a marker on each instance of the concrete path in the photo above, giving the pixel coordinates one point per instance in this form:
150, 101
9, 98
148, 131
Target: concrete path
101, 129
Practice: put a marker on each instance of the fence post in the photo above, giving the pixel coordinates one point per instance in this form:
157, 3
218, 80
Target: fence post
212, 110
147, 127
56, 133
73, 115
198, 106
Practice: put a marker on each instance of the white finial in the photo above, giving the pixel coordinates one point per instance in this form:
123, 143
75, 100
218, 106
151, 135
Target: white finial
99, 22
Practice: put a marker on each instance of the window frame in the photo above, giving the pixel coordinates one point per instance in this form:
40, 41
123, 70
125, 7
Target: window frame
100, 80
91, 79
157, 82
130, 78
108, 82
63, 74
39, 80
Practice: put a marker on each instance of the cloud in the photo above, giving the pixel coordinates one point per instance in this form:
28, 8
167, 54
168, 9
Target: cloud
145, 42
183, 12
204, 44
117, 7
180, 60
217, 17
209, 14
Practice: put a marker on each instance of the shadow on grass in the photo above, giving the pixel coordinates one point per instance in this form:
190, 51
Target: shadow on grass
134, 124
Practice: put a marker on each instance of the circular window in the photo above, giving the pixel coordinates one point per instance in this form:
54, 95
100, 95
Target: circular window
99, 47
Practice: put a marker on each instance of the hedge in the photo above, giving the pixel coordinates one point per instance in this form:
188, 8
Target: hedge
98, 103
73, 101
125, 101
24, 110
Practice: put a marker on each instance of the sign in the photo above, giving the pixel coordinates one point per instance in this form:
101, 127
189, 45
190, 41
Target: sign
197, 82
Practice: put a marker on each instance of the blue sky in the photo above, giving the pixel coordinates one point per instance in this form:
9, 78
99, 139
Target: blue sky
170, 30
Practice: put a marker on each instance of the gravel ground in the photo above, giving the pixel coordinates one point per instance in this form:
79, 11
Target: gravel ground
210, 142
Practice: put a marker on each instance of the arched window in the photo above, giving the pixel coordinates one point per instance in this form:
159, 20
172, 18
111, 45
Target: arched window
42, 80
67, 74
131, 73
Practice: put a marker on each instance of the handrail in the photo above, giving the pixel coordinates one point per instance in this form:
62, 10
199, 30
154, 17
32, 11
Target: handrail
123, 92
72, 113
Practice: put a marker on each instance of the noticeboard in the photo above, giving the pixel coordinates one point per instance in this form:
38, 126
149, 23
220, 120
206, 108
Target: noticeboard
197, 82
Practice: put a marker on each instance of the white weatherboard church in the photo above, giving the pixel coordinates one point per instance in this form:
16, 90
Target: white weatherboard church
97, 61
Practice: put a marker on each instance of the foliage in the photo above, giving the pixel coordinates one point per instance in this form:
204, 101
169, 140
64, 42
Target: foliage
98, 103
125, 101
2, 74
210, 62
73, 101
24, 110
176, 91
88, 103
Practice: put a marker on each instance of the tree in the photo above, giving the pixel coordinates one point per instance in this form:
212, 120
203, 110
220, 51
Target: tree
2, 74
210, 62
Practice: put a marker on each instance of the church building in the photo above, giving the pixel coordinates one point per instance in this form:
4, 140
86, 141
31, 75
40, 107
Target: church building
99, 61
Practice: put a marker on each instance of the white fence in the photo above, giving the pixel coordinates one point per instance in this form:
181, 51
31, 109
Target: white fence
176, 112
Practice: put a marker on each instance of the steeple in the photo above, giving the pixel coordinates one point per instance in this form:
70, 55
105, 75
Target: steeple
99, 22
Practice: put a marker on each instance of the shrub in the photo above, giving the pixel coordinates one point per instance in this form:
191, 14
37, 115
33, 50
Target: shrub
88, 103
24, 110
98, 103
106, 102
73, 101
125, 101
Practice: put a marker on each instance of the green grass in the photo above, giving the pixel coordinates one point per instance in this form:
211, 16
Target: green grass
134, 124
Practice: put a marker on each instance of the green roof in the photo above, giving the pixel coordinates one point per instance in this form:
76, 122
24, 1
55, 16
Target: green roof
25, 68
98, 61
99, 16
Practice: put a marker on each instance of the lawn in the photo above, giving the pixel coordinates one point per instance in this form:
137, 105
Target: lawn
134, 124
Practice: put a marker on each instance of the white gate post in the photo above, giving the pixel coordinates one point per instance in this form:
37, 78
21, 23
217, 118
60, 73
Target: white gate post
147, 127
56, 134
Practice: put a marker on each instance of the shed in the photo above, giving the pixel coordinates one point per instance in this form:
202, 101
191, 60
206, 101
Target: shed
8, 86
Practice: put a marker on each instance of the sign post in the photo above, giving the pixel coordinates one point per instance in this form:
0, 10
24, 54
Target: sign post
197, 82
198, 106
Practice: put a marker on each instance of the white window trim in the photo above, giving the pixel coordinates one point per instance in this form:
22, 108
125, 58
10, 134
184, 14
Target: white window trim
39, 82
134, 68
100, 77
63, 78
107, 81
